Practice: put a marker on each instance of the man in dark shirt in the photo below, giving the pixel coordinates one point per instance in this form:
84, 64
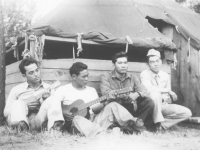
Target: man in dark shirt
136, 102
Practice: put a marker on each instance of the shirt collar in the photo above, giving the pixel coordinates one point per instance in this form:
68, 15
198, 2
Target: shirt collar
113, 74
41, 85
154, 74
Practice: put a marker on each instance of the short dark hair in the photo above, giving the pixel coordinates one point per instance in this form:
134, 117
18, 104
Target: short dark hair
26, 62
119, 55
77, 67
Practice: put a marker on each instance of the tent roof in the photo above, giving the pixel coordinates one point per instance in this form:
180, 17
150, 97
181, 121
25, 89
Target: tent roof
110, 21
186, 21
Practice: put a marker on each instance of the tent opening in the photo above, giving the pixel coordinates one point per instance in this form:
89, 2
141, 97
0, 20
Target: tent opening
64, 50
157, 23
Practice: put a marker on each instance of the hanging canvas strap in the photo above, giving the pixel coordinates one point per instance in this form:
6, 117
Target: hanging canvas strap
79, 40
128, 41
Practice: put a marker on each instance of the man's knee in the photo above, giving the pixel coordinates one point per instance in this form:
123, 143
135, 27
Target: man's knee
156, 96
112, 105
182, 111
188, 113
78, 119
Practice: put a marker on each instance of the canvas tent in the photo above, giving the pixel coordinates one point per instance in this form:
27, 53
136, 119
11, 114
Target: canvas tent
107, 22
127, 17
140, 24
185, 21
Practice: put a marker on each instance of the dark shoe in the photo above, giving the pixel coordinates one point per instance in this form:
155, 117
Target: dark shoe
113, 126
44, 126
58, 125
158, 127
139, 122
134, 127
139, 127
22, 126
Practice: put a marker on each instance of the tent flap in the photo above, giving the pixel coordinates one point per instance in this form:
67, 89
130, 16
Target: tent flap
146, 43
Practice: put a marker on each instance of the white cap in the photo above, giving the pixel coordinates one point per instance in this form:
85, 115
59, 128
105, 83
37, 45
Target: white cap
153, 52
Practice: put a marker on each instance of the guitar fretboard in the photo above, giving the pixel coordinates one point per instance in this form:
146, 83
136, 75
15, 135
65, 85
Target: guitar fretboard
83, 106
121, 91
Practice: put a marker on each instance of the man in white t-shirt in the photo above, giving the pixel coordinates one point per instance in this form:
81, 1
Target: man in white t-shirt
112, 113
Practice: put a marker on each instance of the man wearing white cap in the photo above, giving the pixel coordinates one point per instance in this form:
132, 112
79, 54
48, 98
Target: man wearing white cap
158, 84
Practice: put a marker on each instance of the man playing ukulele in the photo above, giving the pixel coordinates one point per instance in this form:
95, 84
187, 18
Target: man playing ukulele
23, 103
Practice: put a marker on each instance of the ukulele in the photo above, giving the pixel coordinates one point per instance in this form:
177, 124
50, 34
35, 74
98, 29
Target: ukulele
79, 107
39, 95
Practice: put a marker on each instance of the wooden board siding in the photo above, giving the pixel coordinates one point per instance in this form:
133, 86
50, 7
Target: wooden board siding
58, 69
186, 77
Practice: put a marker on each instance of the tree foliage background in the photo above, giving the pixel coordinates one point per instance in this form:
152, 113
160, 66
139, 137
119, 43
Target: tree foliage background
17, 17
192, 4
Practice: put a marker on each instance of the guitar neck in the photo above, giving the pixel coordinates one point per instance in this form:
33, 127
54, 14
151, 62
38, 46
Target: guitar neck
94, 102
121, 91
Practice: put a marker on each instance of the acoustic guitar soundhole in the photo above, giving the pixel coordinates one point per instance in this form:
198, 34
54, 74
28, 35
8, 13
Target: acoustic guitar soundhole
74, 110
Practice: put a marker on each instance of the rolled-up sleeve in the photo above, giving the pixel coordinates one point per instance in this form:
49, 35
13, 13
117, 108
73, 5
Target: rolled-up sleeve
139, 87
11, 98
104, 84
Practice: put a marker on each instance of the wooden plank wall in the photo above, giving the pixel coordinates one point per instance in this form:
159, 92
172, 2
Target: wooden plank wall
186, 77
58, 69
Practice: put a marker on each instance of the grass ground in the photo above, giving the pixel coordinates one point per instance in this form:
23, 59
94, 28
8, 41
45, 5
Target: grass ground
182, 137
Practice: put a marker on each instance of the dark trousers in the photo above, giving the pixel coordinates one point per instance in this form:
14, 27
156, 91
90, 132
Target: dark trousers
145, 107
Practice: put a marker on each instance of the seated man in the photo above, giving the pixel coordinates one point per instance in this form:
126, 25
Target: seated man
137, 102
22, 105
158, 84
77, 89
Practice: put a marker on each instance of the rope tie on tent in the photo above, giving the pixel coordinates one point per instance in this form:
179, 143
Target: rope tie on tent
35, 47
177, 29
79, 40
188, 59
128, 41
34, 53
26, 52
39, 46
175, 62
14, 46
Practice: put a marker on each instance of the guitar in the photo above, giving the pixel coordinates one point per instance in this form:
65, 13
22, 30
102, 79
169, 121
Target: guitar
39, 95
79, 107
